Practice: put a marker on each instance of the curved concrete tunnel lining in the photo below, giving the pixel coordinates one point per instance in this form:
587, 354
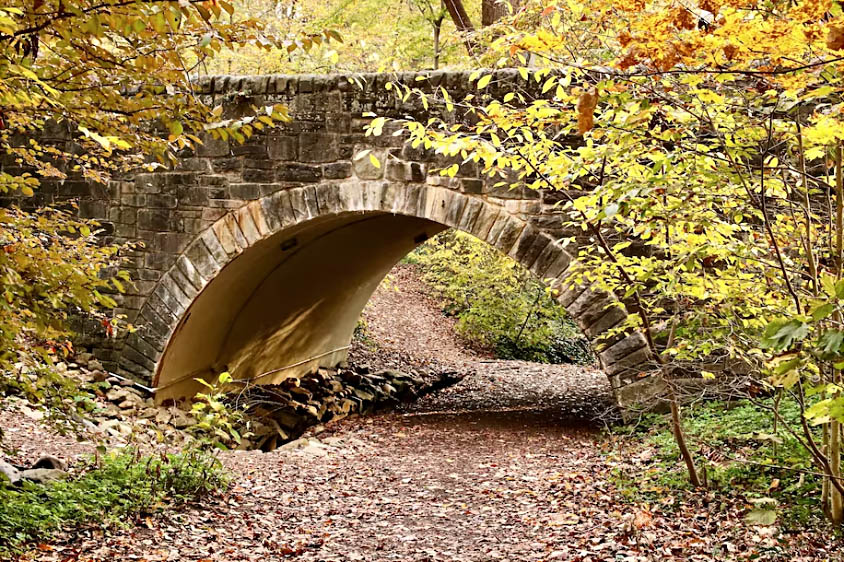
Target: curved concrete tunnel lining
242, 323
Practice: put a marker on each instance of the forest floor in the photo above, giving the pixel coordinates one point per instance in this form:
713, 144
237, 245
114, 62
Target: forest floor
509, 464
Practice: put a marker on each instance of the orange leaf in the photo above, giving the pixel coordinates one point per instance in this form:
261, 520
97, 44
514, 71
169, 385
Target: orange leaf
835, 38
586, 110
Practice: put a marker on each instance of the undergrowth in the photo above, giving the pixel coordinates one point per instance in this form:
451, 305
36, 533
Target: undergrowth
741, 453
122, 487
499, 305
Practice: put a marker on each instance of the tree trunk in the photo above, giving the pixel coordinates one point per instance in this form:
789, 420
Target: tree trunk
458, 15
437, 29
461, 21
836, 504
680, 439
494, 10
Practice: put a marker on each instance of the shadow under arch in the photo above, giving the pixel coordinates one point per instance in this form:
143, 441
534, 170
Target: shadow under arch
274, 289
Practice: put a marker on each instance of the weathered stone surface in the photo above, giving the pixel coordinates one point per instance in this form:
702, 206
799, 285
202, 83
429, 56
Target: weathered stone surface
42, 475
227, 201
623, 348
364, 168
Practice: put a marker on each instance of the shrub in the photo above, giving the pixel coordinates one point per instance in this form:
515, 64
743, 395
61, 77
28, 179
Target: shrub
122, 486
499, 305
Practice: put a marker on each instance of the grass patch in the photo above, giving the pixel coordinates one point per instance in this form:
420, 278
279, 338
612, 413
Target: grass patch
738, 448
125, 485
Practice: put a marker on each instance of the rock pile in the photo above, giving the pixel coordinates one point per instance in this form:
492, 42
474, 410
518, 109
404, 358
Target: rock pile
277, 414
281, 413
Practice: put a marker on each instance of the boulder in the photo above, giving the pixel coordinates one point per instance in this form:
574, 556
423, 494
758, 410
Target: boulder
42, 475
12, 474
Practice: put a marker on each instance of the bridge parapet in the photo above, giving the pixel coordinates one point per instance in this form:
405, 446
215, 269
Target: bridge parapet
226, 203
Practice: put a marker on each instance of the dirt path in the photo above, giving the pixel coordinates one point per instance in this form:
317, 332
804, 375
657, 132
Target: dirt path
453, 482
420, 485
506, 465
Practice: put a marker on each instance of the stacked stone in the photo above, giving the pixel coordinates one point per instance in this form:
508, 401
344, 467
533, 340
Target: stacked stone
281, 413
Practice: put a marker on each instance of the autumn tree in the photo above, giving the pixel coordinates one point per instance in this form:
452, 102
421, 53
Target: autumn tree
90, 89
698, 147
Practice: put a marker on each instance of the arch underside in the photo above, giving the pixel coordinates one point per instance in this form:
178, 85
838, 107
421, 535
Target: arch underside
274, 289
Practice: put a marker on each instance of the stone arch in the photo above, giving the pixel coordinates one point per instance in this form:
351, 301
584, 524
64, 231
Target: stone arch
274, 288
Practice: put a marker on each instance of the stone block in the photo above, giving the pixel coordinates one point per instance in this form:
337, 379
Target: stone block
350, 196
337, 170
183, 283
509, 234
611, 317
245, 191
487, 216
214, 248
298, 173
259, 219
470, 214
171, 242
471, 185
364, 168
317, 147
283, 147
192, 196
455, 210
298, 205
159, 220
191, 273
396, 170
545, 258
256, 175
623, 348
327, 199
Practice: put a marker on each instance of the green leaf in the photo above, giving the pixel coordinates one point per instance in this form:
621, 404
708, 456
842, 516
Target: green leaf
830, 342
822, 311
781, 334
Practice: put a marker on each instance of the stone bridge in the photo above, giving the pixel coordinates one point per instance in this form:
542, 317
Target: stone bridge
259, 257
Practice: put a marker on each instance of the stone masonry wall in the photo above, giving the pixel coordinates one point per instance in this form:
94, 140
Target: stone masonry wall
170, 209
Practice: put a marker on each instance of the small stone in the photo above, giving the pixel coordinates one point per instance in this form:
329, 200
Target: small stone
297, 444
95, 365
148, 413
84, 358
98, 376
116, 394
163, 416
130, 403
182, 420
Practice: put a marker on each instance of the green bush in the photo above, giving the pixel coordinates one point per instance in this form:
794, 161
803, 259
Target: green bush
740, 451
499, 305
122, 486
